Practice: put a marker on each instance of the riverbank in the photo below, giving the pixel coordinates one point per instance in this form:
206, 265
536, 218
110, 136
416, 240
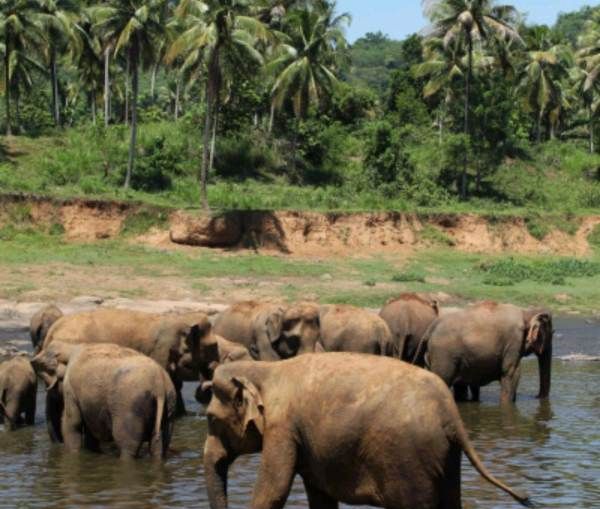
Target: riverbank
57, 250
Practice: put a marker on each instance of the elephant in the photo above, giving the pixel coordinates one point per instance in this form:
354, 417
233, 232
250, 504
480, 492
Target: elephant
41, 323
182, 344
256, 325
358, 429
350, 329
18, 389
110, 393
408, 316
486, 342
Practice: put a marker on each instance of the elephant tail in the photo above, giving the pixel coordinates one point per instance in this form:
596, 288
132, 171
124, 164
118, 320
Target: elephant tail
158, 435
470, 452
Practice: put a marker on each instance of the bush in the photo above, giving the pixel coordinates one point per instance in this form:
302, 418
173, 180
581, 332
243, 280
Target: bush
244, 156
408, 277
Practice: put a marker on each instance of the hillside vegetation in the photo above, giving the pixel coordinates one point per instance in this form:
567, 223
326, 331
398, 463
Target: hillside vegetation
376, 125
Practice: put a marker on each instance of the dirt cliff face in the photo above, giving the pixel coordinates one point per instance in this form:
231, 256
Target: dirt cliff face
298, 233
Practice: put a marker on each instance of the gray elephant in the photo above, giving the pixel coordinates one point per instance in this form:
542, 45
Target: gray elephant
182, 344
111, 393
408, 316
352, 329
256, 325
486, 342
40, 324
18, 389
345, 424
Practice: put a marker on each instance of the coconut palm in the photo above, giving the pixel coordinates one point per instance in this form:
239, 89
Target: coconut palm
221, 34
547, 64
476, 21
135, 26
20, 31
305, 67
588, 59
57, 19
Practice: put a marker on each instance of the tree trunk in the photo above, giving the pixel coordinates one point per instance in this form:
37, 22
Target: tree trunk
208, 122
176, 108
107, 86
127, 73
7, 83
271, 118
134, 87
539, 126
592, 146
463, 184
93, 99
153, 80
18, 109
295, 145
55, 92
213, 140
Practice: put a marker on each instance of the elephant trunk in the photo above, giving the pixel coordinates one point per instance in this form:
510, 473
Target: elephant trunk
545, 367
216, 464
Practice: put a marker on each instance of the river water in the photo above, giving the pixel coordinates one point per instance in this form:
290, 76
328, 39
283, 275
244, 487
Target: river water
550, 450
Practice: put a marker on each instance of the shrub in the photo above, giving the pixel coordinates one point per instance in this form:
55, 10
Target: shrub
408, 277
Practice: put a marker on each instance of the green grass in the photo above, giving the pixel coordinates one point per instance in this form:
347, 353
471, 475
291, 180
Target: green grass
436, 237
594, 237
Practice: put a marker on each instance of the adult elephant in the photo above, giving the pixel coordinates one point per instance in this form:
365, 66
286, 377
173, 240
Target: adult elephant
351, 329
486, 342
18, 389
256, 325
183, 344
40, 324
408, 316
341, 421
110, 393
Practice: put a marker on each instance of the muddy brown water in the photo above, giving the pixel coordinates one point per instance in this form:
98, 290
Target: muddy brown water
550, 450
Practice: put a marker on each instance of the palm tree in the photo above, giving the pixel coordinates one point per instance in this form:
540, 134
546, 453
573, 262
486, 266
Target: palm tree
222, 34
476, 21
135, 26
547, 63
19, 32
588, 59
305, 66
57, 19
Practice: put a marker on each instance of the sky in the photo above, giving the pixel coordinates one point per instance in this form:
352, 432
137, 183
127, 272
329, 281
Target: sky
399, 18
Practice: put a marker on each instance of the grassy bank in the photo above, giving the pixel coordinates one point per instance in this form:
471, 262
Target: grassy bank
90, 162
41, 266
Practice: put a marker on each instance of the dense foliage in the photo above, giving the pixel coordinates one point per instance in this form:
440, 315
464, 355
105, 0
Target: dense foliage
238, 93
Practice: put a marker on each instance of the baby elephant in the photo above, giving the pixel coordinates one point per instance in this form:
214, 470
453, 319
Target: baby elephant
18, 388
112, 393
358, 429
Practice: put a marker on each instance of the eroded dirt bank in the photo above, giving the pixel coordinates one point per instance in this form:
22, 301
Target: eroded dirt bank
294, 233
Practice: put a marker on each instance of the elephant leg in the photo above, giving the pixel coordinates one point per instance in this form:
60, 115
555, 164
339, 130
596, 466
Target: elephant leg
128, 433
30, 406
317, 499
13, 418
508, 385
442, 366
54, 410
180, 410
474, 392
90, 442
72, 424
276, 473
451, 494
460, 392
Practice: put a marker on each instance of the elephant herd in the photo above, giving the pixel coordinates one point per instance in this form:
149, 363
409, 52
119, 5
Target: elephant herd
358, 418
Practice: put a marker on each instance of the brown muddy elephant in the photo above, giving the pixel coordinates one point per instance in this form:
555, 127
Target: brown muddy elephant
486, 342
408, 316
351, 329
358, 429
111, 393
180, 343
18, 389
256, 325
40, 324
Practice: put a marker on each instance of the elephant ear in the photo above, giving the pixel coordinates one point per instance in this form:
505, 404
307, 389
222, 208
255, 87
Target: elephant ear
538, 330
248, 401
274, 325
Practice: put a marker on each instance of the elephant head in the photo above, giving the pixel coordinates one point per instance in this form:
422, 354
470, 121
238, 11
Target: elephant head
267, 327
186, 347
236, 423
41, 323
301, 330
538, 334
51, 363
